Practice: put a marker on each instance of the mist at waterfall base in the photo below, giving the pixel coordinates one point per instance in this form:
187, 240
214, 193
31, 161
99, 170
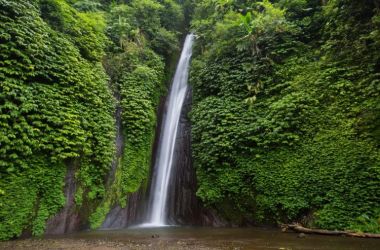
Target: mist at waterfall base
157, 208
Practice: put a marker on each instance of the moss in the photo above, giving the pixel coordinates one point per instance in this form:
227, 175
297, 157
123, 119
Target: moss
96, 219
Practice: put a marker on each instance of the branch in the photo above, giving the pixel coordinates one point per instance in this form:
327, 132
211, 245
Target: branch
300, 229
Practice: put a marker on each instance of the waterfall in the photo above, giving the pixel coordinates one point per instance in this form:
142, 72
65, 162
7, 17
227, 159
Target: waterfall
157, 211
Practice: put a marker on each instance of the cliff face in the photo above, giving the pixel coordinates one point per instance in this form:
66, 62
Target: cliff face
119, 217
134, 212
68, 219
183, 205
184, 208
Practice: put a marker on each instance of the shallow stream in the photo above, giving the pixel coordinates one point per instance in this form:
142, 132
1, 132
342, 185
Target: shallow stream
193, 238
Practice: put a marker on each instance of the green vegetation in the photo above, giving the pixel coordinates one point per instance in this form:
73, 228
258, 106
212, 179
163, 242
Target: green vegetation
285, 116
142, 41
62, 63
286, 111
56, 111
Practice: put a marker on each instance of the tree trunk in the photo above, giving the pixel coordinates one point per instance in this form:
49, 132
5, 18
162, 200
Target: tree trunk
300, 229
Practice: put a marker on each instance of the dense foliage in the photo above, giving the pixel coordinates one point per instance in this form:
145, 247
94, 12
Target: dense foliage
56, 111
65, 67
142, 40
285, 116
286, 111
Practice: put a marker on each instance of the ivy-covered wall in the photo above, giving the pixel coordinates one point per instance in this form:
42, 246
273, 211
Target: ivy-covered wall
286, 111
65, 67
55, 107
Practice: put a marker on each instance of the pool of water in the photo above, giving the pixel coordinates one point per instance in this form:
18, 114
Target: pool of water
239, 238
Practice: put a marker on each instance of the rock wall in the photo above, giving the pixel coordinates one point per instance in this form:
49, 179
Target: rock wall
68, 219
183, 205
184, 208
134, 212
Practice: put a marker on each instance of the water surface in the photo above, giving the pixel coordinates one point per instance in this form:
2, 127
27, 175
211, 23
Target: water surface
229, 238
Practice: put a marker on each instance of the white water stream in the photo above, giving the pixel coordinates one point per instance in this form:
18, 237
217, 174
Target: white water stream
157, 212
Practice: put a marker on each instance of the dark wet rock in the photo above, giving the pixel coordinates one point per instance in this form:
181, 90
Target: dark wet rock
68, 219
184, 208
183, 205
119, 141
132, 214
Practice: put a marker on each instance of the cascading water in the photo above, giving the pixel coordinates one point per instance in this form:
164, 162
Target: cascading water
157, 211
